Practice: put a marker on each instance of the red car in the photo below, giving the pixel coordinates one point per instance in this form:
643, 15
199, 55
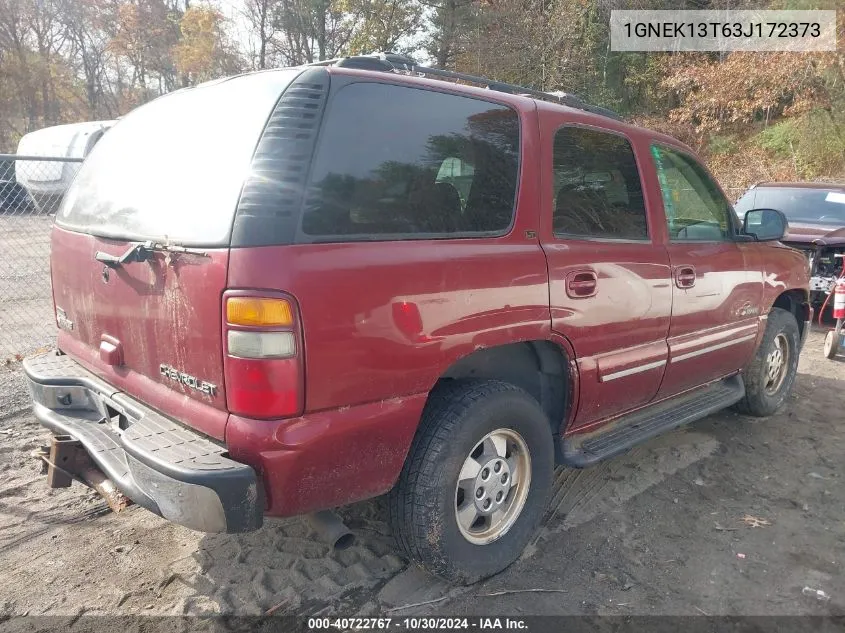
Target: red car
816, 215
291, 290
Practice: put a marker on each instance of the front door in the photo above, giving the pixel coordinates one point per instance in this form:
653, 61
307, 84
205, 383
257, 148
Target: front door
714, 300
609, 282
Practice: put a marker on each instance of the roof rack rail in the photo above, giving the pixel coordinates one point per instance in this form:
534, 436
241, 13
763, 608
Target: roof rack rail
393, 62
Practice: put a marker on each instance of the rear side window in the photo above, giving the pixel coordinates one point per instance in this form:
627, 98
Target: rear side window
598, 192
403, 163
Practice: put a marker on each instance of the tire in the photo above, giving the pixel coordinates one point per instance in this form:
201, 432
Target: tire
764, 394
423, 506
831, 344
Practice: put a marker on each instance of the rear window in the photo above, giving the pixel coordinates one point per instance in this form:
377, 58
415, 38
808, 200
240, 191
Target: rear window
174, 168
821, 206
396, 162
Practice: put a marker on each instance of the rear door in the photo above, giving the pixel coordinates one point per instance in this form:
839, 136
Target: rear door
609, 279
170, 172
715, 297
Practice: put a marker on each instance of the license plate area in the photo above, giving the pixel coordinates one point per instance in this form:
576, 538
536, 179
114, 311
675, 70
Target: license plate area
82, 402
116, 417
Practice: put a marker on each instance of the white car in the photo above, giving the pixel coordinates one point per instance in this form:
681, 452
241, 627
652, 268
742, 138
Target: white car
47, 181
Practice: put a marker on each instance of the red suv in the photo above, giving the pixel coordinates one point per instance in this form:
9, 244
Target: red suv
295, 289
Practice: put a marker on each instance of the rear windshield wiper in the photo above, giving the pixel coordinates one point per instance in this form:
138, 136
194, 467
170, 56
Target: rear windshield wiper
141, 251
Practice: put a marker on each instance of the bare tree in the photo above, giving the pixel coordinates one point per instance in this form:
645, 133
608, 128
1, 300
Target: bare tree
261, 15
88, 51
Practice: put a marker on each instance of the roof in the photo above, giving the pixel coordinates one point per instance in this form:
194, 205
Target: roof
397, 69
402, 64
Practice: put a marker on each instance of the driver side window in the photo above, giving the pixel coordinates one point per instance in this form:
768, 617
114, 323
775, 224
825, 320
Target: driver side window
696, 210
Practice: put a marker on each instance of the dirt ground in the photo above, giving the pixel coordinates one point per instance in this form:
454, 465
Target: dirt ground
732, 516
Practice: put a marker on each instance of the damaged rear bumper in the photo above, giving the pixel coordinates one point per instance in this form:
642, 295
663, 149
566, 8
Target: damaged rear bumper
157, 463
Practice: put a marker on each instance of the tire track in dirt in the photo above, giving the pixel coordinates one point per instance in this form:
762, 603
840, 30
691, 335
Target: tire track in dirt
60, 552
580, 495
165, 569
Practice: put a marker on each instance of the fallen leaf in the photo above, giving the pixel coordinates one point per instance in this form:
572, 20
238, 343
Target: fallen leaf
754, 522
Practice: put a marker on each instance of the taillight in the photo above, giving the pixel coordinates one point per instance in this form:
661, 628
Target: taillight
263, 354
259, 311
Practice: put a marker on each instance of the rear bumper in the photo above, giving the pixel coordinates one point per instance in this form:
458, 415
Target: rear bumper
162, 466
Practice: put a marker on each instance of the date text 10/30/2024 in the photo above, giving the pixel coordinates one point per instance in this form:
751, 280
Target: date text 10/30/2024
417, 623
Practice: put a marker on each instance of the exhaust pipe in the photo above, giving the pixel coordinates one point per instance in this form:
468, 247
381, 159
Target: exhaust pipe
331, 530
94, 478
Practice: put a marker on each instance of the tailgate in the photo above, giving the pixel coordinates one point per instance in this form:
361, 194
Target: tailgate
168, 175
152, 329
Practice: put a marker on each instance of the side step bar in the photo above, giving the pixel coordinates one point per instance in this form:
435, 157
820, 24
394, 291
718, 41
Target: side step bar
585, 449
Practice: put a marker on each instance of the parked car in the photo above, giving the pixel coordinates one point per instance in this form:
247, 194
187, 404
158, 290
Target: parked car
816, 214
13, 197
299, 307
47, 181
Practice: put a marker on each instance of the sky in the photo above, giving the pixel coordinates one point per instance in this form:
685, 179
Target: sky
233, 10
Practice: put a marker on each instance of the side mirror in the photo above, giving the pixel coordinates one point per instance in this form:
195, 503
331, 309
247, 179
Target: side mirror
765, 225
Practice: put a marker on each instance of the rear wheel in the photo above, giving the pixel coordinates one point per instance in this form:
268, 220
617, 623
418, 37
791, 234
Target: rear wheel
770, 375
476, 481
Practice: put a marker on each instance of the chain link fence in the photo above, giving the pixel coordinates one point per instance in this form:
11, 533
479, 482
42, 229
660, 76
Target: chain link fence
31, 189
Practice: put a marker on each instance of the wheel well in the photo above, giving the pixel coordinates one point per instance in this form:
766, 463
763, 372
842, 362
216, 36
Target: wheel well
539, 367
796, 302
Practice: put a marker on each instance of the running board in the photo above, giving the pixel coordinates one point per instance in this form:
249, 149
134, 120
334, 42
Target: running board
585, 449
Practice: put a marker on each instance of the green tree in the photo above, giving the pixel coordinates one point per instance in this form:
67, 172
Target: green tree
381, 25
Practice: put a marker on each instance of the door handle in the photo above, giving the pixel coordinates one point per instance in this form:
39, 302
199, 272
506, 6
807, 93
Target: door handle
685, 276
581, 285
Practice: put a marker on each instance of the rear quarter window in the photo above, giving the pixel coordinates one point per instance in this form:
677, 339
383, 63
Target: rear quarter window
403, 163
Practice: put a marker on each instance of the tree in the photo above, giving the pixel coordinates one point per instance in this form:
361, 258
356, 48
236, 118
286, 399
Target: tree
88, 51
203, 51
451, 22
380, 25
261, 16
145, 34
313, 30
716, 95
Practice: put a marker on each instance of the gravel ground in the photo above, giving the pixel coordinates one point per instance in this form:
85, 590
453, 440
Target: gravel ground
733, 515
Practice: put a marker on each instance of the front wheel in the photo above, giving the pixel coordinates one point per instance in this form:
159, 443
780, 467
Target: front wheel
770, 375
476, 481
831, 344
